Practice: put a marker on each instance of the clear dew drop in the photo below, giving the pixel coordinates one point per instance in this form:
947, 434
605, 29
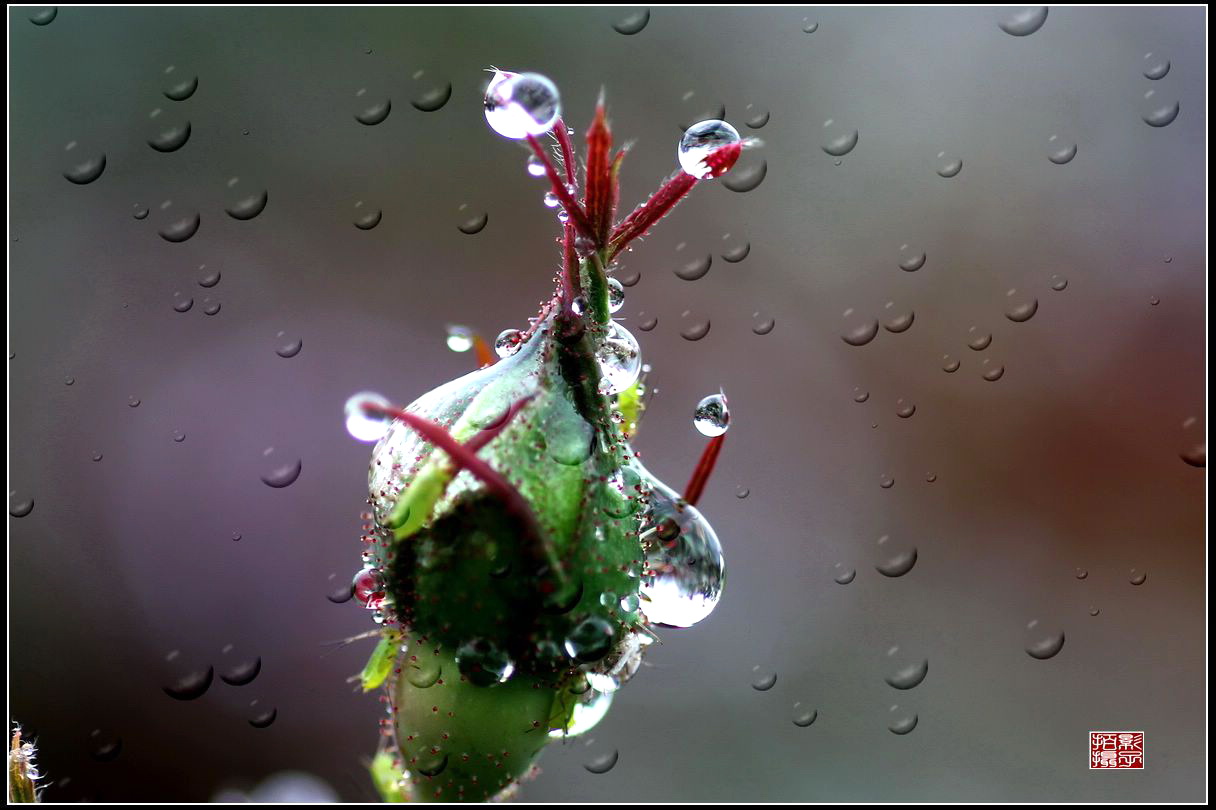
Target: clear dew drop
838, 140
699, 141
616, 295
508, 342
620, 359
1020, 308
360, 424
711, 417
1025, 22
684, 568
603, 763
948, 166
521, 104
633, 23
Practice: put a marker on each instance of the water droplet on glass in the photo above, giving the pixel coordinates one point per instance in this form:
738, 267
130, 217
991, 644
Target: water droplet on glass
1196, 455
746, 178
761, 324
243, 673
45, 16
948, 166
366, 220
191, 686
1046, 646
140, 211
375, 112
693, 327
1024, 22
897, 322
699, 141
603, 763
910, 676
521, 104
69, 380
248, 206
712, 416
684, 569
860, 394
978, 340
858, 331
474, 225
737, 254
1093, 611
433, 98
1020, 308
364, 426
181, 229
633, 23
1161, 114
19, 506
911, 260
897, 565
886, 481
133, 402
757, 118
168, 136
904, 409
742, 492
1082, 573
1137, 577
845, 576
694, 270
264, 719
991, 371
1059, 283
838, 140
85, 168
804, 718
809, 27
181, 89
1155, 67
1059, 152
97, 456
284, 473
179, 436
903, 725
763, 681
646, 322
620, 359
288, 348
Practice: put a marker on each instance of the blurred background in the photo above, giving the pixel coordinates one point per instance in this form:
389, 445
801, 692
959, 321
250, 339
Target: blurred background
1037, 164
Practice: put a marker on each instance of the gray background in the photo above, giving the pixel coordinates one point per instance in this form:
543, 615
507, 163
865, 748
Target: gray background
1070, 460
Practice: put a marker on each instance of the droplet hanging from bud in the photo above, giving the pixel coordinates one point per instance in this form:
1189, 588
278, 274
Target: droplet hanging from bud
521, 104
700, 141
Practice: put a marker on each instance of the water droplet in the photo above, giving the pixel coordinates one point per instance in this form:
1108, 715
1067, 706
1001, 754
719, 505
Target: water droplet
803, 719
860, 394
181, 229
896, 322
460, 338
711, 416
521, 104
133, 402
242, 674
169, 137
1093, 611
282, 474
746, 178
910, 260
483, 663
693, 327
179, 436
948, 166
182, 89
1082, 573
647, 323
474, 225
694, 270
1161, 114
1059, 283
978, 340
587, 714
69, 380
845, 576
858, 331
191, 686
620, 359
210, 307
535, 167
288, 348
910, 676
897, 565
762, 325
633, 23
949, 364
616, 294
85, 169
369, 219
699, 141
763, 681
433, 99
737, 254
236, 537
1137, 577
97, 456
1155, 67
264, 719
742, 492
371, 114
104, 747
248, 206
904, 409
1060, 153
886, 481
508, 342
758, 118
364, 426
809, 27
1153, 301
1196, 455
19, 506
903, 725
991, 371
139, 211
1020, 309
590, 640
604, 762
930, 477
684, 569
838, 141
1025, 22
45, 16
1046, 647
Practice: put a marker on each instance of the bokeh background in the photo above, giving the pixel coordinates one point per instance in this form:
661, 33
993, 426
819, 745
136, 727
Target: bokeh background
125, 574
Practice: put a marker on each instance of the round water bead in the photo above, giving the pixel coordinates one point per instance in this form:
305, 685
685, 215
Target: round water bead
521, 104
684, 572
620, 359
616, 295
508, 342
702, 139
359, 423
587, 714
712, 416
460, 338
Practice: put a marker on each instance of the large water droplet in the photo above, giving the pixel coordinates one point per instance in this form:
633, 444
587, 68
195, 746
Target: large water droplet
180, 87
604, 762
904, 724
483, 663
19, 505
243, 673
990, 370
694, 270
85, 168
521, 104
685, 569
804, 717
763, 681
45, 16
838, 141
1155, 67
366, 220
693, 327
632, 23
620, 359
364, 426
1060, 152
1161, 114
248, 205
181, 229
1046, 646
699, 141
191, 686
434, 98
948, 166
168, 136
1020, 308
288, 347
977, 340
711, 416
911, 260
284, 471
372, 111
910, 676
1025, 22
616, 294
590, 640
858, 331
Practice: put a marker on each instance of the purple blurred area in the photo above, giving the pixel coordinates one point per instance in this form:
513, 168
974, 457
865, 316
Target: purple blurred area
125, 575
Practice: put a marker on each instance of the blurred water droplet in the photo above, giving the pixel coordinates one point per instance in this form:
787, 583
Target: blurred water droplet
845, 576
694, 270
69, 380
630, 279
210, 307
930, 477
809, 27
133, 402
474, 225
169, 137
1020, 308
647, 322
97, 456
603, 763
763, 681
712, 416
248, 206
44, 16
179, 436
181, 89
1155, 67
1196, 456
1060, 153
140, 211
374, 113
990, 370
1059, 283
1046, 647
434, 98
761, 324
632, 23
1093, 611
909, 677
264, 719
1161, 114
804, 718
911, 260
742, 492
1153, 301
897, 565
737, 254
860, 395
897, 322
243, 673
693, 327
18, 505
838, 140
949, 364
366, 220
758, 118
521, 104
977, 340
886, 481
904, 409
284, 473
948, 166
191, 686
1025, 22
858, 331
746, 178
1082, 573
236, 537
1137, 577
904, 725
181, 229
288, 348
